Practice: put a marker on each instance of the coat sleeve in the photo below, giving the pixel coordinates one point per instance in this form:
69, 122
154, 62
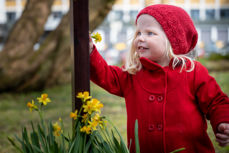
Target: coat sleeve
213, 102
104, 75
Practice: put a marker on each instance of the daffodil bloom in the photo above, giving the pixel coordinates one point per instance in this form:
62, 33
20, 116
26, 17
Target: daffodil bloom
88, 107
44, 99
74, 115
98, 120
93, 124
57, 129
97, 37
86, 129
96, 117
97, 105
92, 105
83, 95
31, 106
102, 124
84, 118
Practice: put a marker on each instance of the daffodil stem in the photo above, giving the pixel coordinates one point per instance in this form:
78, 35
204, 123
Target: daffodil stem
41, 117
84, 142
75, 123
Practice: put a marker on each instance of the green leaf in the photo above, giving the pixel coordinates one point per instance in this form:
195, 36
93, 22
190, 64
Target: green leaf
62, 144
26, 140
35, 148
88, 145
71, 145
42, 138
136, 137
130, 144
34, 138
79, 143
56, 148
23, 146
14, 144
51, 138
178, 150
123, 145
116, 143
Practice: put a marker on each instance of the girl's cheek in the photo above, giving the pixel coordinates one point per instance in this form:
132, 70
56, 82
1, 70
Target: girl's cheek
135, 43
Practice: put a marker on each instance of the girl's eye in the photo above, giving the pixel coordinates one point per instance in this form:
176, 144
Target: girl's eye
139, 34
150, 33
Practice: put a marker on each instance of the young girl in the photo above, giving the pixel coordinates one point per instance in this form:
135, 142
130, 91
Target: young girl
169, 94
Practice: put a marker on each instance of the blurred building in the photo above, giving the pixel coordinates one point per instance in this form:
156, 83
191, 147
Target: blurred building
11, 10
211, 18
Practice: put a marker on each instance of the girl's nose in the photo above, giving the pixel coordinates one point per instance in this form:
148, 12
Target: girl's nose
141, 38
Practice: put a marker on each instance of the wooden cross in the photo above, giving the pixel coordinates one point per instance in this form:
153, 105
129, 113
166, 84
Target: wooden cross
79, 49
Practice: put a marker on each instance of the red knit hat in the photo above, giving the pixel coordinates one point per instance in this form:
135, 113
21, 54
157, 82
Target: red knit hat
177, 25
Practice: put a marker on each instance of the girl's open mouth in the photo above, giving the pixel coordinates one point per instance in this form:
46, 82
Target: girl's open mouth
140, 48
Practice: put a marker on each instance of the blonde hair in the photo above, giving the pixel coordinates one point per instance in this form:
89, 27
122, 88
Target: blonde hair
133, 64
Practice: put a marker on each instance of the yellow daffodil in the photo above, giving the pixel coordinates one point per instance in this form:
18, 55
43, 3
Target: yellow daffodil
88, 107
92, 105
86, 129
102, 124
96, 117
97, 36
97, 120
83, 95
93, 124
44, 99
57, 129
74, 115
96, 105
31, 106
84, 118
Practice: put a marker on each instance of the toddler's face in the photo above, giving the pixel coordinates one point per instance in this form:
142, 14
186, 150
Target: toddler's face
150, 40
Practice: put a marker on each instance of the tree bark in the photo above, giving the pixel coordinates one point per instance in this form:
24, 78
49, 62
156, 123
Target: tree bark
22, 68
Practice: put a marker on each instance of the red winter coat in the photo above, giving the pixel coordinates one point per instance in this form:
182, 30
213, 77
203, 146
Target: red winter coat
170, 106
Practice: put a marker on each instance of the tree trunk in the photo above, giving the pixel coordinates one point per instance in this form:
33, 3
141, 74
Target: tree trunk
22, 68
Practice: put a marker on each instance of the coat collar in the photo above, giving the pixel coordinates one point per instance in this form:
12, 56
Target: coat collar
150, 65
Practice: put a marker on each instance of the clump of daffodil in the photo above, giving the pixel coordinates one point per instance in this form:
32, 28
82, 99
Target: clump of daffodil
44, 99
57, 129
91, 109
97, 37
32, 106
88, 133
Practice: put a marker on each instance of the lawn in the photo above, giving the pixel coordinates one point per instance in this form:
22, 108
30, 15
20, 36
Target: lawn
14, 113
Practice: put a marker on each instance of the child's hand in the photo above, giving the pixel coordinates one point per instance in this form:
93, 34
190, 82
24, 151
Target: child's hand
223, 135
90, 44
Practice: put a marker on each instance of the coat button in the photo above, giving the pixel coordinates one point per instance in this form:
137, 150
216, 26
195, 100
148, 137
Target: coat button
159, 127
151, 98
151, 127
160, 98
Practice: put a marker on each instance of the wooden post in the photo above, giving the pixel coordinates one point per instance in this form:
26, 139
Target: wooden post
79, 49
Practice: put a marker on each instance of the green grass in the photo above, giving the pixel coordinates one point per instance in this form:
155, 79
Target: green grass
14, 113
